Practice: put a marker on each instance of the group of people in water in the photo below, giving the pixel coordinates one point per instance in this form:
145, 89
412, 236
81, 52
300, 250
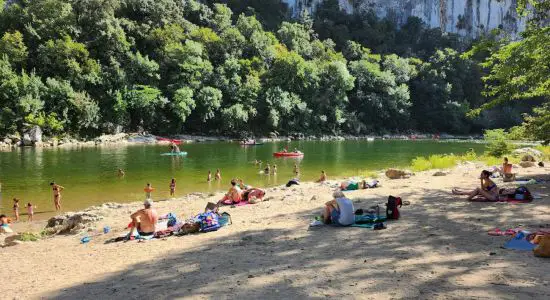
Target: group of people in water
56, 189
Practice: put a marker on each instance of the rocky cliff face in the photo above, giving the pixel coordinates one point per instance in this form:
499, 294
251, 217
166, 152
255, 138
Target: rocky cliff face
465, 17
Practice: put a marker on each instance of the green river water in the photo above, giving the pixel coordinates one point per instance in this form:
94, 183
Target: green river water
89, 175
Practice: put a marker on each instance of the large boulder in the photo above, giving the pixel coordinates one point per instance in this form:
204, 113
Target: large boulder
71, 223
35, 134
529, 154
397, 174
111, 138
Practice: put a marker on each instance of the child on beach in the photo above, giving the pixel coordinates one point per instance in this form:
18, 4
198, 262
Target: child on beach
172, 187
30, 211
323, 177
209, 177
148, 190
218, 175
16, 208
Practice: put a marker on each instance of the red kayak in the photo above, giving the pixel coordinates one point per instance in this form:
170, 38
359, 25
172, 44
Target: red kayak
288, 154
177, 142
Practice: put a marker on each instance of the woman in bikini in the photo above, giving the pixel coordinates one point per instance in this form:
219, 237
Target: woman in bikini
173, 187
56, 195
488, 188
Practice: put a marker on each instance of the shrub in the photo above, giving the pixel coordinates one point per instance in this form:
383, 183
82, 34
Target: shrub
28, 237
443, 161
420, 164
497, 144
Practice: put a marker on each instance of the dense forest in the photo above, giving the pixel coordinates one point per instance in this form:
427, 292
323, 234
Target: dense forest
84, 67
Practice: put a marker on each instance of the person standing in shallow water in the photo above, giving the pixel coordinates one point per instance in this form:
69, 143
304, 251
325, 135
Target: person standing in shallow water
173, 187
209, 176
57, 189
218, 175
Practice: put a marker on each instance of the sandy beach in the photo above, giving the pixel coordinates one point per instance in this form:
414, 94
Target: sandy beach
439, 249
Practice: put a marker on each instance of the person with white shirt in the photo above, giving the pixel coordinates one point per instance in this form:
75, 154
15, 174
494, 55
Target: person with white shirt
339, 211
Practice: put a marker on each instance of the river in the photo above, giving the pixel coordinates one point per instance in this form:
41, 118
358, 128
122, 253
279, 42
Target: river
89, 175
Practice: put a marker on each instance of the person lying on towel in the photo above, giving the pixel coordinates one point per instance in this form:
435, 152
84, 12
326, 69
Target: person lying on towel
488, 188
339, 211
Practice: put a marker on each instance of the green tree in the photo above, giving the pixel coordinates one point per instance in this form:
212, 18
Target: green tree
13, 46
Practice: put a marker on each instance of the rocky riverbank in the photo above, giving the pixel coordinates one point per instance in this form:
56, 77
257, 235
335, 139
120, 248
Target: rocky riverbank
34, 138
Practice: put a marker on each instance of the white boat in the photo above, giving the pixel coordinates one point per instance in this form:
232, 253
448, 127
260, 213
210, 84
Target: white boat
370, 139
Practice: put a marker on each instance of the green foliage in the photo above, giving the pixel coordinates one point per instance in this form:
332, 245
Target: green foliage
443, 161
419, 164
168, 66
497, 142
13, 46
28, 237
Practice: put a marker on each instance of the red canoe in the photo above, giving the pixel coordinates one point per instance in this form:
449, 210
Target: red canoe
288, 154
177, 142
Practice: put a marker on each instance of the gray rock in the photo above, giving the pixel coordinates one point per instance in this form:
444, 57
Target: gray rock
36, 134
439, 173
528, 152
71, 223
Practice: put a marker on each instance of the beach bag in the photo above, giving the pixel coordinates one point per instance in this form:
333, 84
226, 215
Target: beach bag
225, 219
392, 211
208, 221
172, 220
522, 193
543, 249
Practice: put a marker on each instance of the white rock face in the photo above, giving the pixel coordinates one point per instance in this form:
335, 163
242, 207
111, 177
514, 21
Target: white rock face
465, 17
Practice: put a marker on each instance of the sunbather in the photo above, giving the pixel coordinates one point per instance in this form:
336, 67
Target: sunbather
339, 211
506, 171
488, 188
144, 220
234, 195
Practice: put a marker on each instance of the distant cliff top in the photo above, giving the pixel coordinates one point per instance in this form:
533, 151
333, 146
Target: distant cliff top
465, 17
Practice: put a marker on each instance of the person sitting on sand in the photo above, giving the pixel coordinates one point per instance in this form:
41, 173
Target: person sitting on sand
506, 171
339, 211
488, 188
4, 224
234, 195
323, 177
218, 175
144, 220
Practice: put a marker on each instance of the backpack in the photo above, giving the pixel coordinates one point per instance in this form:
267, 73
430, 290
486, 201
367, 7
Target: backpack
392, 211
208, 221
522, 193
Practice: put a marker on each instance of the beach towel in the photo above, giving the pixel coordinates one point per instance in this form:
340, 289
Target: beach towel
367, 221
520, 242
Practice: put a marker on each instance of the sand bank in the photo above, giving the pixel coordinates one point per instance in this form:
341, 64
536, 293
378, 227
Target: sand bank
438, 250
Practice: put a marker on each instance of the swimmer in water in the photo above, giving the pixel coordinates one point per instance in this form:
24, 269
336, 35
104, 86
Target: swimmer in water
218, 175
173, 187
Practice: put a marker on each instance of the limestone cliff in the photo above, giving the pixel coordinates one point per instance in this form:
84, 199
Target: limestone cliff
465, 17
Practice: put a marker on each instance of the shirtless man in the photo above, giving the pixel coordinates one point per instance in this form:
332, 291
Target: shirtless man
145, 220
56, 195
